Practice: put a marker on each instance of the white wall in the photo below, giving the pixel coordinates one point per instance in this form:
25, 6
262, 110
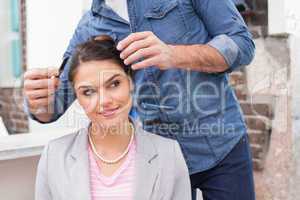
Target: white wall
292, 20
277, 20
284, 16
293, 28
293, 17
51, 24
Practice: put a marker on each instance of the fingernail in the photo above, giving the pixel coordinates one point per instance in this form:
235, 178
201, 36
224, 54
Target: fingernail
121, 55
119, 47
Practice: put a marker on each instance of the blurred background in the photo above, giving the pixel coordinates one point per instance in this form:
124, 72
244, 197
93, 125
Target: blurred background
35, 34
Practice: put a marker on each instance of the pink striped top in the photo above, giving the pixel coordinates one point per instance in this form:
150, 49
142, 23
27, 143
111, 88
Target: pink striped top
120, 185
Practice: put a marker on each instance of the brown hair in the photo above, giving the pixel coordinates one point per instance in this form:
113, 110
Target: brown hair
96, 49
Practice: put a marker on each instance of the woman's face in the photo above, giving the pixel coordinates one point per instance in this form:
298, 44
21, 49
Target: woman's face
103, 90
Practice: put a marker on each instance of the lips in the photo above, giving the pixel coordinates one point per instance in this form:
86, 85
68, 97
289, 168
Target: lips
109, 112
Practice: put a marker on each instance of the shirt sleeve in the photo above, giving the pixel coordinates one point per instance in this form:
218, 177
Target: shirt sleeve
83, 33
228, 31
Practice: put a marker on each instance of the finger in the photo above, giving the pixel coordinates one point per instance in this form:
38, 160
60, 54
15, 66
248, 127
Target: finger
40, 84
153, 61
41, 102
42, 93
41, 73
135, 46
142, 53
53, 72
131, 38
56, 81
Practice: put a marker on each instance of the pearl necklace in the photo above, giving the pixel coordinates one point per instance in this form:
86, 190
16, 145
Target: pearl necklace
116, 160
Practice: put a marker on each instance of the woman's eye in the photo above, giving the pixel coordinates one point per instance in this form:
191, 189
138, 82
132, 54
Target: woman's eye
88, 92
115, 83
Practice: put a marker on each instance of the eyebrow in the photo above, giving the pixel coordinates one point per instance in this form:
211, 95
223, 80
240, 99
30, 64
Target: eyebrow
84, 87
109, 80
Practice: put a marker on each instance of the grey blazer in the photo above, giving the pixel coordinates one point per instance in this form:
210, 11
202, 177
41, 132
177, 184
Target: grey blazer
63, 171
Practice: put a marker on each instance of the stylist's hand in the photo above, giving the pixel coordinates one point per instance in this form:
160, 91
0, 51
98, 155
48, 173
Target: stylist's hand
39, 89
144, 49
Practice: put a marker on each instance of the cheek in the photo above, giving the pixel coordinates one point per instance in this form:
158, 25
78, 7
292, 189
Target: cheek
89, 105
122, 94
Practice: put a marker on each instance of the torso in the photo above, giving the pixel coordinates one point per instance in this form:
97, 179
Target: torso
176, 22
120, 7
112, 181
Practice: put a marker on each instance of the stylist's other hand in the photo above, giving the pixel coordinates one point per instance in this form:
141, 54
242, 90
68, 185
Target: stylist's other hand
144, 49
39, 89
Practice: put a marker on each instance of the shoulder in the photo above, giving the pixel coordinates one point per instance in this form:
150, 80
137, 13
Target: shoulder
65, 140
160, 140
165, 147
65, 144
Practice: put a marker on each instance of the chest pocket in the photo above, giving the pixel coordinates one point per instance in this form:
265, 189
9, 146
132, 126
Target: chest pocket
166, 20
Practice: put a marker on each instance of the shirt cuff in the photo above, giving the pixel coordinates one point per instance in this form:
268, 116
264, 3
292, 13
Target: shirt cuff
26, 110
227, 47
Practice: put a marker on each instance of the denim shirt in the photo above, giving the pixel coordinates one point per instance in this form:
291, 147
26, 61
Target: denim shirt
198, 109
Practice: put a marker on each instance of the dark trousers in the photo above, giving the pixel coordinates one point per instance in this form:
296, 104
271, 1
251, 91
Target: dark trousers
231, 179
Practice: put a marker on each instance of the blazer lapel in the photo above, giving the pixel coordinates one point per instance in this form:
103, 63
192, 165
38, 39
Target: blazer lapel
146, 165
79, 169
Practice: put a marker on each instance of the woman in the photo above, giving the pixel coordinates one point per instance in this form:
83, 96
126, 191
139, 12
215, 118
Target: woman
112, 158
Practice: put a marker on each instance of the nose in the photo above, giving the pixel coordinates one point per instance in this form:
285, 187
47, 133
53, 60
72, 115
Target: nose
104, 100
